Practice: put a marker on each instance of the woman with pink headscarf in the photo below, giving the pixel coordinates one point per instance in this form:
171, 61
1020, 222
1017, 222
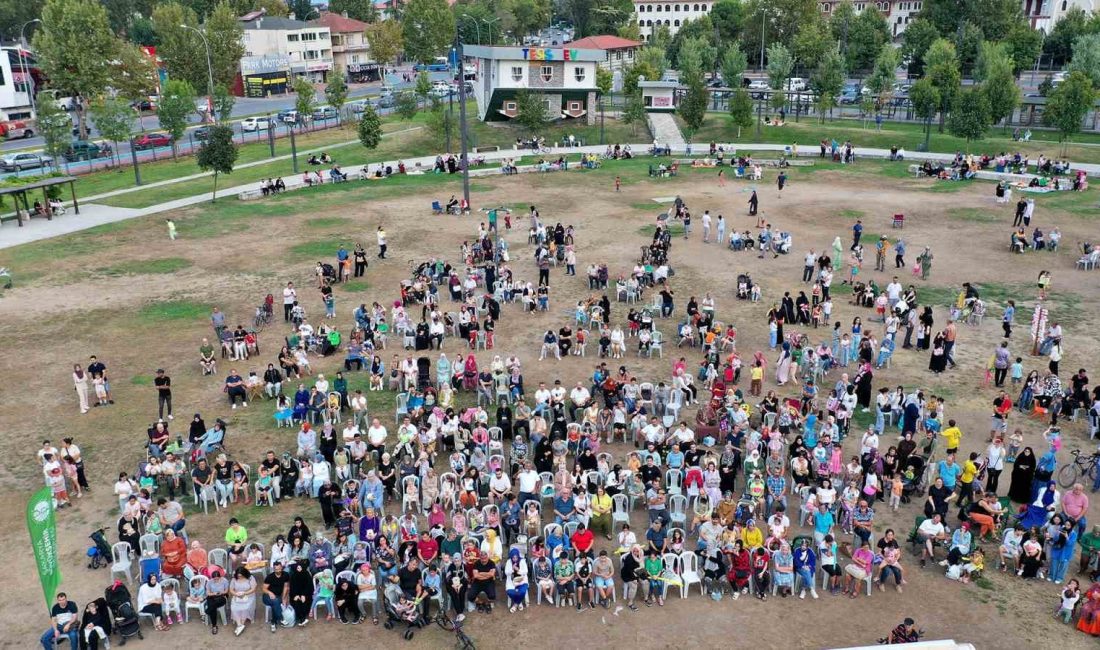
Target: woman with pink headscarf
469, 373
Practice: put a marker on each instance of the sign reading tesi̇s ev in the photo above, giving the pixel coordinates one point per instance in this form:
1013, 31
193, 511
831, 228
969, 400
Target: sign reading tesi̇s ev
545, 54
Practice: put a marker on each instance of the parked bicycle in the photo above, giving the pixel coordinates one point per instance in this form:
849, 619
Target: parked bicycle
1082, 467
462, 641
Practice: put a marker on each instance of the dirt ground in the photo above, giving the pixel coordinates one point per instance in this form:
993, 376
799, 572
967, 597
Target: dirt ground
71, 310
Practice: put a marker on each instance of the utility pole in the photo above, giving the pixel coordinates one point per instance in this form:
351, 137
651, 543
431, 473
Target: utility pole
133, 156
462, 123
209, 70
23, 63
451, 98
270, 136
293, 147
763, 14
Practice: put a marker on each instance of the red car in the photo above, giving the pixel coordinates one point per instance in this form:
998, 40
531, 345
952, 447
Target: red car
152, 141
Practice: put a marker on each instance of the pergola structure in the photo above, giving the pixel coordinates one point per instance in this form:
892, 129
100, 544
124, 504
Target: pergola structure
20, 195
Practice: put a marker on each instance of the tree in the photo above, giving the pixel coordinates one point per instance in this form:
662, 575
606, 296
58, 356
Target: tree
828, 80
358, 9
995, 18
133, 75
811, 42
177, 101
1023, 45
884, 74
942, 67
728, 17
604, 81
630, 31
54, 125
781, 20
113, 118
968, 45
530, 15
655, 58
14, 14
970, 116
119, 14
1086, 57
406, 105
989, 53
780, 64
700, 32
423, 85
75, 47
428, 29
734, 63
302, 9
689, 59
633, 112
999, 83
224, 32
1068, 104
223, 103
866, 36
218, 154
531, 112
741, 110
336, 92
274, 8
441, 122
918, 37
369, 128
926, 103
141, 32
1073, 24
386, 40
305, 100
181, 50
693, 105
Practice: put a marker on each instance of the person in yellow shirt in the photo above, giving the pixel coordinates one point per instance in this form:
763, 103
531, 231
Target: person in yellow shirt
756, 373
953, 436
966, 480
752, 537
600, 520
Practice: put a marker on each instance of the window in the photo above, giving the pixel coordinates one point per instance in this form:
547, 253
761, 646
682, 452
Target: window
547, 73
676, 7
292, 38
323, 35
668, 23
641, 23
618, 55
517, 73
355, 58
649, 23
509, 106
676, 22
659, 9
695, 7
549, 106
578, 73
574, 107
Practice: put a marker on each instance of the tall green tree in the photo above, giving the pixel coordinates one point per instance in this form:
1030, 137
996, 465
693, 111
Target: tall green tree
428, 28
224, 101
336, 92
942, 67
75, 48
968, 45
970, 115
995, 18
989, 54
828, 80
780, 19
780, 65
369, 128
655, 59
529, 15
224, 32
177, 102
868, 33
119, 14
1059, 43
633, 112
605, 79
423, 85
386, 40
1068, 104
999, 85
728, 17
531, 112
741, 110
734, 63
884, 74
441, 122
142, 32
133, 75
305, 100
701, 32
918, 37
926, 103
811, 42
1023, 45
693, 105
114, 119
301, 9
358, 9
406, 105
1086, 57
181, 50
218, 154
54, 125
13, 15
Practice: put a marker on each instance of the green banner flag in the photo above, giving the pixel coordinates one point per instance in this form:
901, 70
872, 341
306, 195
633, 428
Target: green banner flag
43, 531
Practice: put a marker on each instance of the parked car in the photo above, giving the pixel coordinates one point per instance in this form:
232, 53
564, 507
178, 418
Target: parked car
757, 87
201, 133
255, 124
288, 117
796, 84
850, 94
144, 105
83, 150
387, 101
359, 106
441, 92
152, 141
17, 129
19, 161
325, 113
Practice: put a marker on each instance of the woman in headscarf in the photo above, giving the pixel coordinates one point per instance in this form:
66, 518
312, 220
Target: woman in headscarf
469, 373
544, 455
783, 365
442, 370
838, 253
1040, 509
301, 592
937, 363
173, 553
150, 600
784, 570
515, 576
347, 602
728, 464
1089, 622
1023, 471
740, 569
197, 557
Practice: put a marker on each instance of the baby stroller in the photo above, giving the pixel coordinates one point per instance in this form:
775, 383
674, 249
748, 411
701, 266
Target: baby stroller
423, 373
744, 286
912, 477
404, 610
99, 553
101, 618
329, 272
124, 617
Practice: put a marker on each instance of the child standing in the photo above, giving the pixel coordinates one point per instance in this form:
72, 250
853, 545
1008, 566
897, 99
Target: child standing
1015, 441
1017, 371
171, 229
100, 389
170, 602
896, 488
1070, 595
618, 183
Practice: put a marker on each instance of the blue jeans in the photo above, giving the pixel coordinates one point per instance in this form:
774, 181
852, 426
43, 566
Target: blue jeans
807, 578
1058, 570
888, 571
276, 605
48, 635
880, 421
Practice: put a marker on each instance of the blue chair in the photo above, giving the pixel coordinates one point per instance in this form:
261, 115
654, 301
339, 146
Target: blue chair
437, 208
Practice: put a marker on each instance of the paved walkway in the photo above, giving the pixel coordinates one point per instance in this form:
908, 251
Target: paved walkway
92, 214
665, 130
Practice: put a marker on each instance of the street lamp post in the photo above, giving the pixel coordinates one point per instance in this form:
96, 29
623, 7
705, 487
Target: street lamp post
209, 70
23, 62
477, 29
489, 25
463, 135
763, 15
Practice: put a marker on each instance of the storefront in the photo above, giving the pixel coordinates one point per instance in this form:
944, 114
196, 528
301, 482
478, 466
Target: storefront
312, 71
364, 72
262, 76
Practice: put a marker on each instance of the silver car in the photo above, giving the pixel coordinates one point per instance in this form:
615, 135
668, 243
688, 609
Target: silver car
19, 161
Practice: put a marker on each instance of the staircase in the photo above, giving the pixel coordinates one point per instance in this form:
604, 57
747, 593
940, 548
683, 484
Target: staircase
665, 130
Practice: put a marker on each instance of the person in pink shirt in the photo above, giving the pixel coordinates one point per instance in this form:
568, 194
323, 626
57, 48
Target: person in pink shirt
1075, 504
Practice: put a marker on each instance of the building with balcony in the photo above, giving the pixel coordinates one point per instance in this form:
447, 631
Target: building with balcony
619, 54
670, 13
271, 43
897, 13
563, 77
350, 49
1043, 14
16, 84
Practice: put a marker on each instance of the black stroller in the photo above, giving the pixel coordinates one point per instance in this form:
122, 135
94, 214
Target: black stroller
744, 286
405, 611
423, 373
329, 272
99, 554
100, 618
124, 618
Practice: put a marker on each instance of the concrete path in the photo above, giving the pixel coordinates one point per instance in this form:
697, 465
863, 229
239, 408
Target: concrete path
92, 214
665, 130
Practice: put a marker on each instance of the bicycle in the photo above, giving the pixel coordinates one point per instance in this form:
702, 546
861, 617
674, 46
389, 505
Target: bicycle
1086, 466
455, 625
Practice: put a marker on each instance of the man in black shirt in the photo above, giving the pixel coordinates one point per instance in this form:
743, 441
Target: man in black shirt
277, 593
97, 369
274, 470
408, 577
63, 622
202, 477
483, 588
163, 384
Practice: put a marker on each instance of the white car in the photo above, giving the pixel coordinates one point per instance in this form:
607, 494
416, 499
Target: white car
255, 124
796, 84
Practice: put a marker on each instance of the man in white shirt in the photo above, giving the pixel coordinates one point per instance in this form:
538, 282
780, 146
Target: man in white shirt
808, 266
290, 296
358, 450
929, 532
305, 330
706, 226
557, 393
321, 384
683, 434
359, 406
528, 483
580, 397
653, 432
376, 437
893, 292
499, 486
542, 398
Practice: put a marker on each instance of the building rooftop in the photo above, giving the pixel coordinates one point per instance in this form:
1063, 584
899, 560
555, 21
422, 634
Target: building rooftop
272, 22
604, 42
339, 24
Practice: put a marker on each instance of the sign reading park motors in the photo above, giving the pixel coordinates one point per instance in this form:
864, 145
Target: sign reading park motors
266, 63
545, 54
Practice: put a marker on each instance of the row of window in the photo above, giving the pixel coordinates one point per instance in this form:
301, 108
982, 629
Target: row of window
697, 7
667, 23
546, 73
884, 7
307, 36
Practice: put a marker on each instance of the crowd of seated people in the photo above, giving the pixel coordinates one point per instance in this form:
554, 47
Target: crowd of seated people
617, 152
269, 186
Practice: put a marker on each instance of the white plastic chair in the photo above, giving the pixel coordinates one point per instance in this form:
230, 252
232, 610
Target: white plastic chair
122, 560
319, 602
402, 407
218, 557
410, 493
188, 605
677, 509
149, 544
689, 573
675, 403
674, 481
207, 495
657, 343
620, 510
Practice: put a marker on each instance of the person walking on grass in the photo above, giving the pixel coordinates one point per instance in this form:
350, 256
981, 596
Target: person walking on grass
781, 181
171, 229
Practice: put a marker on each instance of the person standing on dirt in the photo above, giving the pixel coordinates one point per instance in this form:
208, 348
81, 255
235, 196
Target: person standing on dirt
754, 203
857, 233
163, 384
381, 243
899, 254
925, 260
290, 296
360, 256
780, 181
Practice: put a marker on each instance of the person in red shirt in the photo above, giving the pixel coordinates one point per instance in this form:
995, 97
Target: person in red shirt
427, 548
1002, 406
760, 572
583, 540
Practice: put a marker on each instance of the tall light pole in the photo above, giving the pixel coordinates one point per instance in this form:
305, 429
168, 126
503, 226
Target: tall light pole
489, 24
763, 15
23, 62
463, 136
477, 27
209, 70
